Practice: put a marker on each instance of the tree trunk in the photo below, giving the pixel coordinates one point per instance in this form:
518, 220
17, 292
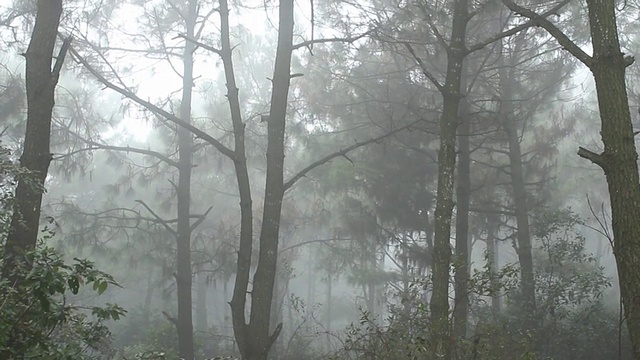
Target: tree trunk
148, 297
329, 308
264, 277
493, 263
202, 323
255, 338
524, 250
619, 159
184, 275
281, 288
463, 199
407, 300
41, 81
241, 283
446, 166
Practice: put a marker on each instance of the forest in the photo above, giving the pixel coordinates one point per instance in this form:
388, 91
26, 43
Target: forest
328, 179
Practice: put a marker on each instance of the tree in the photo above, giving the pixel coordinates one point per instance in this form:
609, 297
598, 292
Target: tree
255, 335
41, 83
184, 275
39, 321
180, 230
619, 158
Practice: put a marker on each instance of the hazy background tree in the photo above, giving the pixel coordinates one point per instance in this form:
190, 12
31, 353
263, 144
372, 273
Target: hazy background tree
349, 250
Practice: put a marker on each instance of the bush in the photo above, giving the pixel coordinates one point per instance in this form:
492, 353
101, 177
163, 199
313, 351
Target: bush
38, 322
572, 320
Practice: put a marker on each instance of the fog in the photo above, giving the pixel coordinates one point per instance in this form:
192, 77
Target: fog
319, 180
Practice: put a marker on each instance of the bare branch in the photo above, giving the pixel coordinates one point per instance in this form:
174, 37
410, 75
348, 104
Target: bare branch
532, 22
60, 59
170, 318
128, 149
629, 60
199, 44
602, 222
541, 21
423, 67
289, 183
438, 35
200, 219
597, 159
98, 146
103, 57
155, 109
314, 241
349, 40
275, 333
160, 220
104, 214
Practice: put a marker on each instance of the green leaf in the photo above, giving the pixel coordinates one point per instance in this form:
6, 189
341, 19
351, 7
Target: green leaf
102, 287
74, 285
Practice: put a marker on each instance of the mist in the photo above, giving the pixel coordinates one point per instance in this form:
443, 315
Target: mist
323, 180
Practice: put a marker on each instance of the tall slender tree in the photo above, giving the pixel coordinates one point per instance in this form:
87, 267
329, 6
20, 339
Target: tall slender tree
457, 50
184, 274
608, 65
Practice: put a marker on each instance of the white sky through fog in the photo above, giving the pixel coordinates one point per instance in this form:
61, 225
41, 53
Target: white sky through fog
155, 79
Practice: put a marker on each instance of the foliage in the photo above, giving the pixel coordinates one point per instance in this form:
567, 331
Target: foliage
402, 338
142, 336
39, 321
570, 310
570, 284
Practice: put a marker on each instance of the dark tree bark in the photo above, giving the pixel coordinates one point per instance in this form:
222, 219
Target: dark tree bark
457, 50
255, 338
451, 89
247, 345
264, 278
619, 158
41, 82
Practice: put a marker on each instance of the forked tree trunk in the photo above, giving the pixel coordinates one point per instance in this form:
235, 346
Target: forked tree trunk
41, 82
256, 338
264, 278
